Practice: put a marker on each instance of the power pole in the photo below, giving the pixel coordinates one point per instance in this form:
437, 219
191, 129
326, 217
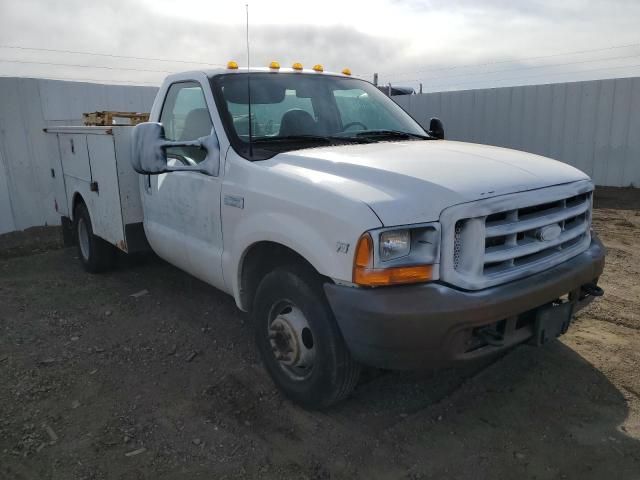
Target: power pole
375, 79
420, 89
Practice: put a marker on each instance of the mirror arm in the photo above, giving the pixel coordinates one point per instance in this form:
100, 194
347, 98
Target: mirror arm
149, 156
182, 168
204, 142
189, 143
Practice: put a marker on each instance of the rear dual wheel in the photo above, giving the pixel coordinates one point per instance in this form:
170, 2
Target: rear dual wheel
299, 340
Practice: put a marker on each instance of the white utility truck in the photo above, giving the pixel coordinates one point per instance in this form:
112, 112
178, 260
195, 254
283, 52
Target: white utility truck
351, 234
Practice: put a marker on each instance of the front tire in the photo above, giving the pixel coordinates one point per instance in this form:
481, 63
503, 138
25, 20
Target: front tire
96, 254
299, 341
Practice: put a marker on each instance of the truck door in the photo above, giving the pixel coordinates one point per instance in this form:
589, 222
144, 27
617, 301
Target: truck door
182, 209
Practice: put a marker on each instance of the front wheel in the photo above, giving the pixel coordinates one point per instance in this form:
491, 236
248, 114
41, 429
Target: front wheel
96, 254
299, 340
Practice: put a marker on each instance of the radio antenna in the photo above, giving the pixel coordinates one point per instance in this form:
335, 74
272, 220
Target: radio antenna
249, 85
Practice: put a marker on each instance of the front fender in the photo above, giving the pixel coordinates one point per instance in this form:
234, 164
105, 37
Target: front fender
307, 238
260, 204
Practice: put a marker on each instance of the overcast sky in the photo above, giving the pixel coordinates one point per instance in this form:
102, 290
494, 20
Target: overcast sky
445, 44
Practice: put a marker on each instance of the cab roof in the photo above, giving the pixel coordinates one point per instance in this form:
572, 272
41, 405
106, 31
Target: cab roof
213, 72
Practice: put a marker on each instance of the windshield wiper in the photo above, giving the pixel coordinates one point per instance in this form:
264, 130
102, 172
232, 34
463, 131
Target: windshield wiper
392, 133
309, 138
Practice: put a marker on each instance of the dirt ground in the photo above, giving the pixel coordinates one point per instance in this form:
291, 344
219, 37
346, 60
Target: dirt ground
99, 383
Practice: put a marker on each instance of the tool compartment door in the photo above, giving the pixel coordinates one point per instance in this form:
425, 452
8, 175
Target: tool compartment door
105, 208
75, 157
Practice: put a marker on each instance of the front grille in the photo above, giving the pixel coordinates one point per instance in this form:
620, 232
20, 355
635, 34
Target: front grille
513, 238
507, 243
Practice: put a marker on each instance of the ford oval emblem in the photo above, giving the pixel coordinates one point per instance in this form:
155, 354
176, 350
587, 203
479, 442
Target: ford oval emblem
550, 232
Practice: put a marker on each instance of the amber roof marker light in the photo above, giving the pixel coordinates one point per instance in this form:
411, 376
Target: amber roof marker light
297, 66
346, 71
274, 65
232, 65
318, 68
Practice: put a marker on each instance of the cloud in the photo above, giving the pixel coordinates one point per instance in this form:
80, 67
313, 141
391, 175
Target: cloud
407, 41
137, 31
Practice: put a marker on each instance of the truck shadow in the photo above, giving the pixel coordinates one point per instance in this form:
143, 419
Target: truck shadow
547, 409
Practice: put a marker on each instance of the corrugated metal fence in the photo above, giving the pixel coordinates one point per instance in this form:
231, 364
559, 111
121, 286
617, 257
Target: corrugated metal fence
594, 126
26, 107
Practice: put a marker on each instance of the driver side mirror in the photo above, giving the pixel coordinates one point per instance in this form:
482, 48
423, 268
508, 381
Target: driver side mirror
149, 155
436, 129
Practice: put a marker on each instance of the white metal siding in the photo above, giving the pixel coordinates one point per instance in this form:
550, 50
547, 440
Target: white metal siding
6, 213
27, 154
594, 126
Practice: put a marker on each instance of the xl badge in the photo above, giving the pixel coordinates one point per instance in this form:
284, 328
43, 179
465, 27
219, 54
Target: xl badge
342, 247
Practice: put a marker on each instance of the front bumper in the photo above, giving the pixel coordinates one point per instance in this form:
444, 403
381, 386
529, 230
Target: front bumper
434, 325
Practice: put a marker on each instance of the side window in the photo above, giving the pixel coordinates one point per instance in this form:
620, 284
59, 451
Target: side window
185, 116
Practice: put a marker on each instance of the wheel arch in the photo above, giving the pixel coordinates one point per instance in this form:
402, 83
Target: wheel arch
76, 200
260, 258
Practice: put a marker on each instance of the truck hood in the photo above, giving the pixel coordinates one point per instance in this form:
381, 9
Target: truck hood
413, 181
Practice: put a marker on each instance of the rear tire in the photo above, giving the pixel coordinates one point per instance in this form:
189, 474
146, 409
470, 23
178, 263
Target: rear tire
299, 341
96, 254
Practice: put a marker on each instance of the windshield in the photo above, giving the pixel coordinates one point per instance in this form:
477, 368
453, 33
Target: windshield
290, 111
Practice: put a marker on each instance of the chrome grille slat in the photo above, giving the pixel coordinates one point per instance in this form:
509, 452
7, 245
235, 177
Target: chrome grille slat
510, 268
557, 215
530, 247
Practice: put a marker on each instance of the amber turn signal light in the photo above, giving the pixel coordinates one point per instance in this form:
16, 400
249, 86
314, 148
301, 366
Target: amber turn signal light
364, 273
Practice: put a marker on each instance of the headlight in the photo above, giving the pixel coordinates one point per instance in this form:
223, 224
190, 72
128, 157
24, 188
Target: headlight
394, 244
394, 256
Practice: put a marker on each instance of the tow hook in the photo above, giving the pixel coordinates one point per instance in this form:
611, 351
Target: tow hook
592, 289
491, 336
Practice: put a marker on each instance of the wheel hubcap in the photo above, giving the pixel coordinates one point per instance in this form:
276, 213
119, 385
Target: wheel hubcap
83, 238
292, 342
